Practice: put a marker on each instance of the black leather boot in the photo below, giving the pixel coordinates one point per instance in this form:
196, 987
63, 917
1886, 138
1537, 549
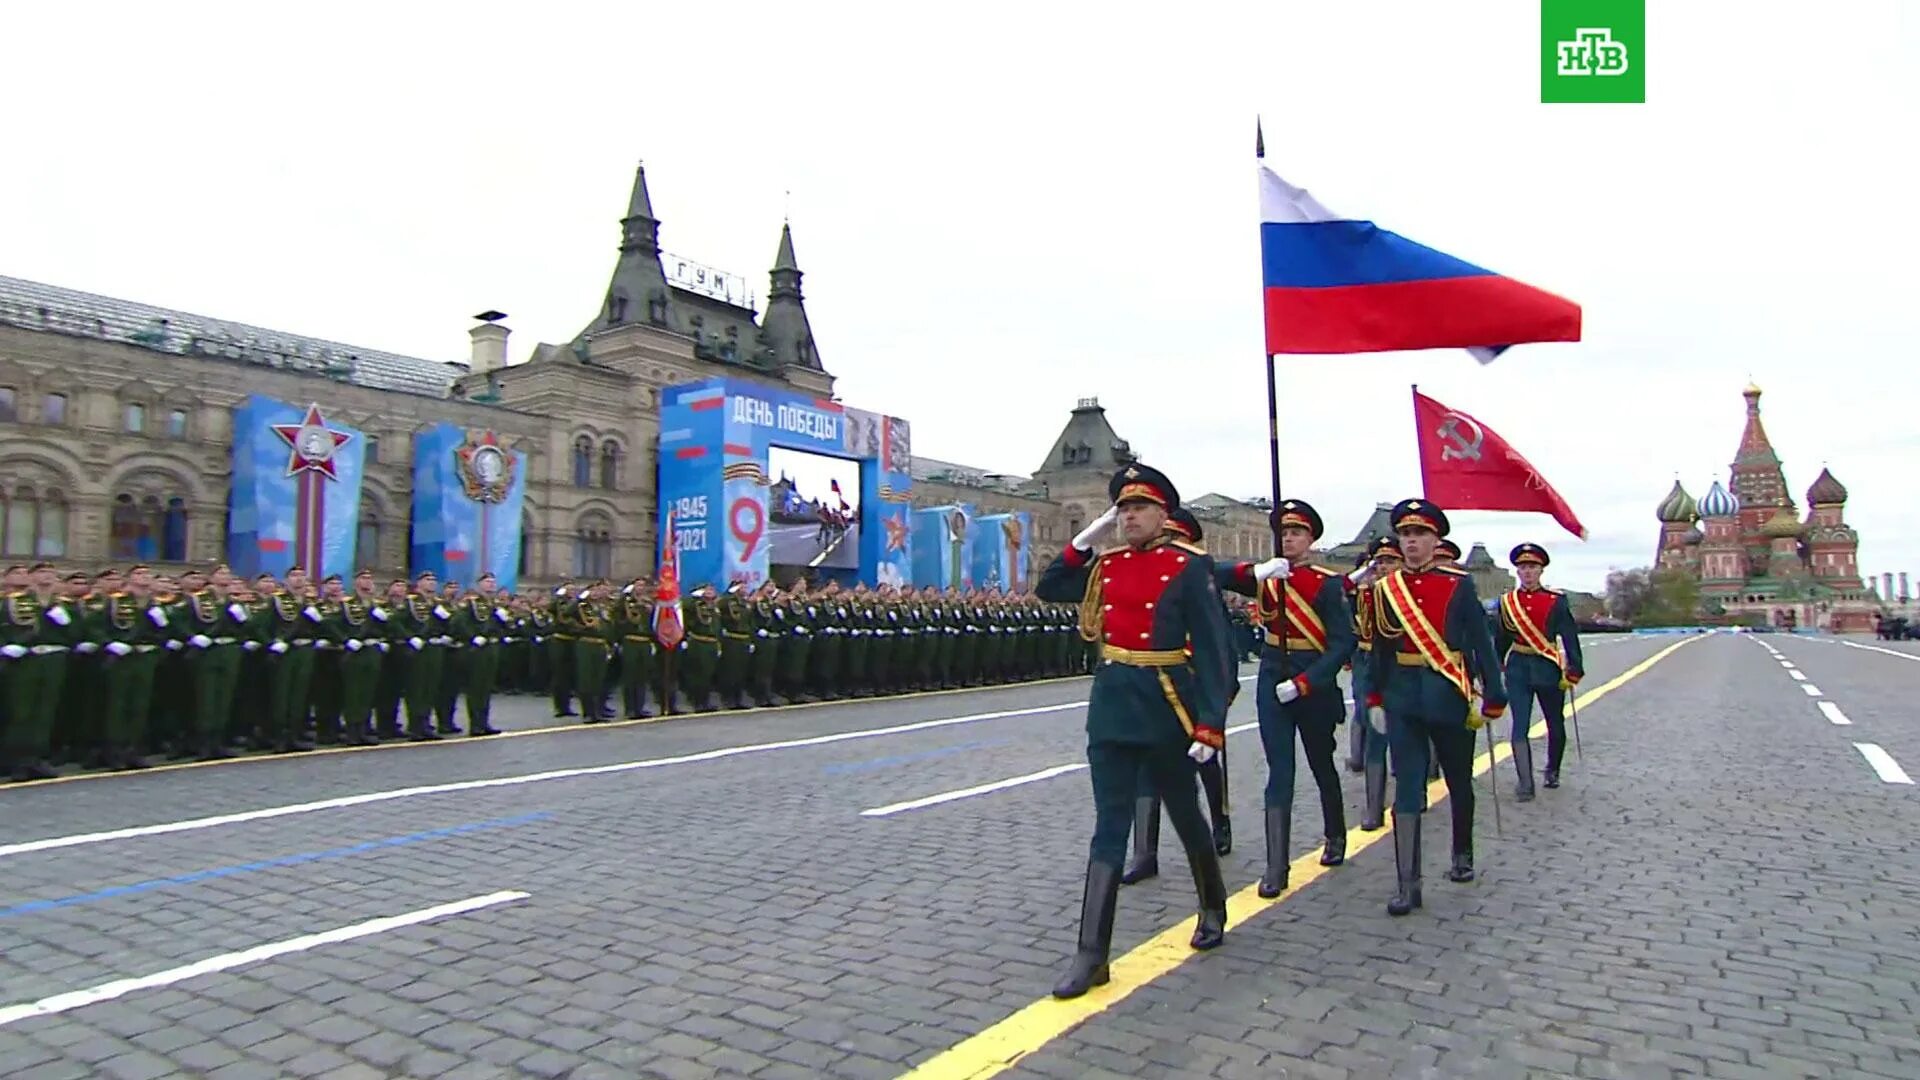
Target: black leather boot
1406, 861
1373, 814
1213, 778
1552, 778
1462, 869
1210, 929
1146, 840
1523, 769
1357, 747
1279, 842
1088, 968
1336, 852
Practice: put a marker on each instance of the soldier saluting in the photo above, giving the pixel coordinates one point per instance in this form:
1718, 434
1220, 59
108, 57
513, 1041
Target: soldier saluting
1430, 636
1541, 644
1152, 704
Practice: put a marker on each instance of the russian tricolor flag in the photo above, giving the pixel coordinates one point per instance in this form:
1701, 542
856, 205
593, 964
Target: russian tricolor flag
1334, 284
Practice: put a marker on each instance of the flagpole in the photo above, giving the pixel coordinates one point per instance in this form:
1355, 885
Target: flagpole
1273, 396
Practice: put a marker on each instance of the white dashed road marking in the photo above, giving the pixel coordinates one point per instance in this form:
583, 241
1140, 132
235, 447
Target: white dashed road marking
1883, 763
1812, 690
1833, 713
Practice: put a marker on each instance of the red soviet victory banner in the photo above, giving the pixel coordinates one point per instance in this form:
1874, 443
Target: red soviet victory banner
1466, 465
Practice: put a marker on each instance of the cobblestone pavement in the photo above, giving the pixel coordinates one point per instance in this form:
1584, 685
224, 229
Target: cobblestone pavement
1742, 899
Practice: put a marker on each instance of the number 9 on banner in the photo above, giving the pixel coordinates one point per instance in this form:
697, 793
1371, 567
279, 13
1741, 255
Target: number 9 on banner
748, 523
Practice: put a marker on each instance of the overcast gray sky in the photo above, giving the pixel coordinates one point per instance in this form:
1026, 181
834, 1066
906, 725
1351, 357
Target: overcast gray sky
1014, 206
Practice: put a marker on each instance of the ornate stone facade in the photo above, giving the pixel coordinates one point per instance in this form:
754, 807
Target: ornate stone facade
1755, 558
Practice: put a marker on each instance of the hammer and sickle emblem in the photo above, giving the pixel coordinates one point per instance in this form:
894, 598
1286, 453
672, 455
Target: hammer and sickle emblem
1463, 447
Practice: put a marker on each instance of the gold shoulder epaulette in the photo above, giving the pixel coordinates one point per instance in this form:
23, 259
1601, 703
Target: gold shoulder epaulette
1454, 570
1188, 545
1324, 572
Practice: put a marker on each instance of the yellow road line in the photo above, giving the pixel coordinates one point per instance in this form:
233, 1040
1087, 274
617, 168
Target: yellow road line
1003, 1045
551, 729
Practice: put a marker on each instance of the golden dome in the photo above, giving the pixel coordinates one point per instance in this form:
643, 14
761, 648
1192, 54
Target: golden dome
1781, 525
1752, 390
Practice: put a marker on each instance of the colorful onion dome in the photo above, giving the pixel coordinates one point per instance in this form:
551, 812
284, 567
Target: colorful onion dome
1677, 508
1781, 525
1718, 502
1826, 491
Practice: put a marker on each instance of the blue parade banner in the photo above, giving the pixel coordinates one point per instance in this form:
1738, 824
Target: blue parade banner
295, 498
943, 546
1003, 552
836, 504
467, 492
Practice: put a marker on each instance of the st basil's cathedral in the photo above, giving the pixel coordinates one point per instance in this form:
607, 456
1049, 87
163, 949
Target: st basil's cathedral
1756, 559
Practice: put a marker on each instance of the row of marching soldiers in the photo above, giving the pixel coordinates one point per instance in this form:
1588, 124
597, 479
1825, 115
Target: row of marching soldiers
1429, 673
772, 646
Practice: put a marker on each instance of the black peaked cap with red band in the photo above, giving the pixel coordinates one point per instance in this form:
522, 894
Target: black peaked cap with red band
1528, 553
1143, 482
1297, 512
1422, 513
1183, 522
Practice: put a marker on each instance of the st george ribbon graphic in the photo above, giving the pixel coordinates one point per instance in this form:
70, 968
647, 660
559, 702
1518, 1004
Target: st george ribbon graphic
296, 489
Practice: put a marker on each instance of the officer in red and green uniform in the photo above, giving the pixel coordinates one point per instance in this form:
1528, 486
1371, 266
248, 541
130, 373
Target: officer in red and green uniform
1213, 772
1537, 636
1147, 601
1309, 638
36, 636
1429, 636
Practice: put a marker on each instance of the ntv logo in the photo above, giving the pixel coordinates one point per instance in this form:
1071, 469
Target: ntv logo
1592, 52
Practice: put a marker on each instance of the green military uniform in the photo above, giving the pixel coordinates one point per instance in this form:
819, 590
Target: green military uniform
215, 627
590, 623
857, 668
736, 648
396, 659
361, 641
135, 630
35, 641
561, 665
797, 650
639, 656
421, 624
829, 646
289, 670
769, 619
700, 653
478, 624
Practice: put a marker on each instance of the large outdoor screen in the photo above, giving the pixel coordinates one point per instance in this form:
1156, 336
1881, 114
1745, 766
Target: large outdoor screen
813, 510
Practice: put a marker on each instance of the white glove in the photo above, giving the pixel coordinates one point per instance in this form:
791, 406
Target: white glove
1377, 719
353, 645
500, 614
119, 648
250, 646
441, 612
58, 616
173, 645
310, 613
1275, 567
383, 646
379, 613
277, 647
416, 643
86, 647
1200, 752
1286, 691
200, 641
12, 652
479, 641
239, 613
158, 616
1084, 541
1362, 571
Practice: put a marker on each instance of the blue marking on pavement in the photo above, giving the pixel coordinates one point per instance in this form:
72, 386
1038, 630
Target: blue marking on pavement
268, 864
902, 759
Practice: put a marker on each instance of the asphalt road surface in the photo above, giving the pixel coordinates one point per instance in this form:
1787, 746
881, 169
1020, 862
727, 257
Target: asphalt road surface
1726, 884
799, 545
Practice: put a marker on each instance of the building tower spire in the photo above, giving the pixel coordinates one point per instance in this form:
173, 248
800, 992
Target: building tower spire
785, 326
638, 292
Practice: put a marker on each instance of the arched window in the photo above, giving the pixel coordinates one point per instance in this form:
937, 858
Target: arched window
367, 541
593, 548
148, 529
583, 462
33, 523
610, 465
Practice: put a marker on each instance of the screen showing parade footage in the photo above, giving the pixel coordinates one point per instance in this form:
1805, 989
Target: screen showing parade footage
813, 509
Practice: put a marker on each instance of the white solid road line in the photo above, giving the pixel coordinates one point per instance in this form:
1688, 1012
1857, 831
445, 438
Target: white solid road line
1812, 690
1833, 713
1878, 649
997, 785
1883, 763
75, 999
77, 840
